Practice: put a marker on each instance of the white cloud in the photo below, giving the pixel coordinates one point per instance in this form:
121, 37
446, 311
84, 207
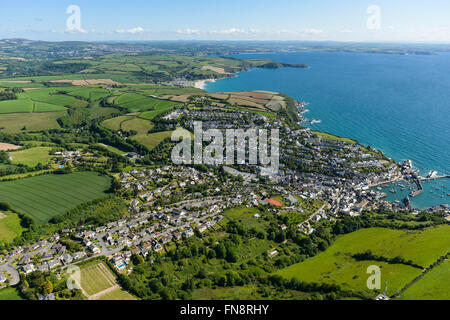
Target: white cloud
311, 32
228, 31
188, 31
131, 31
346, 31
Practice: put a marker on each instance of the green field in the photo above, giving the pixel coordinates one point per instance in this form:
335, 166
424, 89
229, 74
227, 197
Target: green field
135, 102
50, 96
141, 126
9, 294
40, 100
47, 196
115, 123
336, 264
128, 123
31, 157
12, 106
16, 122
92, 93
152, 140
433, 286
328, 136
10, 227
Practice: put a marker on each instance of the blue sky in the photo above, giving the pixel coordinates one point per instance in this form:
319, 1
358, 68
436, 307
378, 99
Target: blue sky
338, 20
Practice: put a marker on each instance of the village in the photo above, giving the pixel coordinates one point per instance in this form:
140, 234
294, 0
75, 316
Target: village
170, 204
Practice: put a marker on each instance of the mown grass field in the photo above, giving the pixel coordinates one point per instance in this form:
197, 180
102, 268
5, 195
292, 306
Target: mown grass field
31, 157
44, 197
10, 227
152, 140
96, 277
336, 264
433, 286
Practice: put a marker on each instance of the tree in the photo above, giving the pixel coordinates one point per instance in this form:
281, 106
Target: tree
47, 287
221, 251
232, 255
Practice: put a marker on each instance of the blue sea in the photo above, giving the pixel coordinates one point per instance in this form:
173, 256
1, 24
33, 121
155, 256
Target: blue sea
398, 104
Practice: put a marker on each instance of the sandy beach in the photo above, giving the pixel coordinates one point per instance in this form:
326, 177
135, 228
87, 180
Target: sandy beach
200, 84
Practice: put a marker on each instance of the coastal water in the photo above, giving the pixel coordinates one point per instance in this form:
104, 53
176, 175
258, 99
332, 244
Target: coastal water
398, 104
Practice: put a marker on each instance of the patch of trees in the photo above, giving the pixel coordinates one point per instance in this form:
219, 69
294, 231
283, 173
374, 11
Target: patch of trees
387, 220
108, 137
369, 256
39, 283
66, 68
295, 284
161, 154
8, 94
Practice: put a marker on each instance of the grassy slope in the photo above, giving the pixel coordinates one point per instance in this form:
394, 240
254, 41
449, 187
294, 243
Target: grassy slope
433, 286
335, 265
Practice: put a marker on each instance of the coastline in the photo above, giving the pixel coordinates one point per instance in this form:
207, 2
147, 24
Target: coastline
426, 201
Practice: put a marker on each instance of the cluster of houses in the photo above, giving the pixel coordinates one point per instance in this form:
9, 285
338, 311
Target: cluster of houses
145, 232
44, 255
